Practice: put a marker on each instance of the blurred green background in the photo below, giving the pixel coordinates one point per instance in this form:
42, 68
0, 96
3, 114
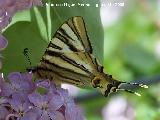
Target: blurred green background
131, 52
131, 41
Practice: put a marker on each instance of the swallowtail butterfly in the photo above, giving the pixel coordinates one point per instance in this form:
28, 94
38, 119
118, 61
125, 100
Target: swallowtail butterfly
69, 59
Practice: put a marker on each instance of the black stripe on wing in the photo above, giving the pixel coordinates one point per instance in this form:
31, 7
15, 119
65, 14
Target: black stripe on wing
64, 33
77, 24
65, 58
54, 46
64, 39
74, 34
61, 68
51, 71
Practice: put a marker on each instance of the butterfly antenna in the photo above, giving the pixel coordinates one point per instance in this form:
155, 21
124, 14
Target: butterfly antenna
129, 91
25, 52
136, 84
140, 85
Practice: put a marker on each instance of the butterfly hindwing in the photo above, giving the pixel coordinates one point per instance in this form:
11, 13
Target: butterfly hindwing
73, 68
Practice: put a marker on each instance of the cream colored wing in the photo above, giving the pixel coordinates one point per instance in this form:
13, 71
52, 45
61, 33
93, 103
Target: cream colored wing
74, 68
71, 37
68, 57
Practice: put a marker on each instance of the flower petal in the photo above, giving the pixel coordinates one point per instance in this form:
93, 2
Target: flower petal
38, 100
15, 80
20, 102
26, 83
27, 76
70, 112
56, 116
43, 83
56, 102
3, 113
3, 41
65, 95
44, 116
14, 77
5, 19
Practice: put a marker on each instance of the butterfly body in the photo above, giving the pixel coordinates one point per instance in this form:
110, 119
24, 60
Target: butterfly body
69, 59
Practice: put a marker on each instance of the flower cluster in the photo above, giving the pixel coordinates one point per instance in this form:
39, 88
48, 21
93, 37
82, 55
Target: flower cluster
20, 97
23, 99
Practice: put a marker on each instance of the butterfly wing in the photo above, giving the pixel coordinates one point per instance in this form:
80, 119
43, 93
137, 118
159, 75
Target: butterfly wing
71, 37
68, 59
68, 56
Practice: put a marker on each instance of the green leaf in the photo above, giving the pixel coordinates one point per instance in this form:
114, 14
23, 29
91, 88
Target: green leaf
20, 36
20, 16
41, 24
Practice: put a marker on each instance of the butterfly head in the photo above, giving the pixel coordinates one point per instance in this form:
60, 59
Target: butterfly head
107, 84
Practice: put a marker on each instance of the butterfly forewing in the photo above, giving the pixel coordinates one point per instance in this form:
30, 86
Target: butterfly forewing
78, 26
71, 37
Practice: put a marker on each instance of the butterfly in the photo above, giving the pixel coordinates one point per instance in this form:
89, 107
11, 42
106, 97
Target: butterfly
69, 59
